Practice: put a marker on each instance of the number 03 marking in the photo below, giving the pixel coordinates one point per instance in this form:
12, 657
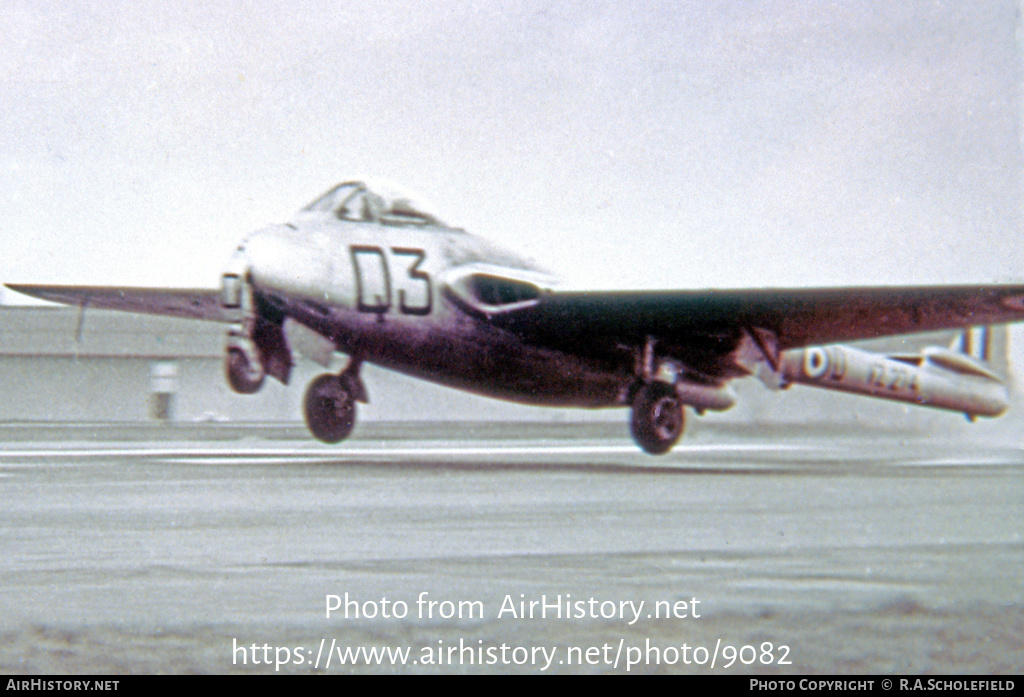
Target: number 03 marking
374, 288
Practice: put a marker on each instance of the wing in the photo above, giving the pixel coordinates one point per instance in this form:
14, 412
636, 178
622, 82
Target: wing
784, 318
187, 303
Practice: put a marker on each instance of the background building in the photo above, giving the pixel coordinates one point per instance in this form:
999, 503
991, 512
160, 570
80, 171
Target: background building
58, 364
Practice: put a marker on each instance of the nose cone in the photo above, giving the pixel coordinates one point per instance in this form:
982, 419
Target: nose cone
281, 260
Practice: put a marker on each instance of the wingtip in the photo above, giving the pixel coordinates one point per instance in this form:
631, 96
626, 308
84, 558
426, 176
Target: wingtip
19, 288
26, 289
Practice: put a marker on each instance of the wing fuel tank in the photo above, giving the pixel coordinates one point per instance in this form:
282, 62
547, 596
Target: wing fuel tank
935, 378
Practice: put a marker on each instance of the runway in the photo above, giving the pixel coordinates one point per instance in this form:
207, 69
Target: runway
472, 548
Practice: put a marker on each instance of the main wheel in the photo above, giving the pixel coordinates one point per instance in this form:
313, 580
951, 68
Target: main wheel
242, 378
330, 409
658, 418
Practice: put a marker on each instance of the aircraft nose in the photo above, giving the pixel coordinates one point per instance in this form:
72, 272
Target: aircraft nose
279, 260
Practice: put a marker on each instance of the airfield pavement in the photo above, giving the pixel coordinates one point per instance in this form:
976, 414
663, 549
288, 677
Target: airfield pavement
476, 548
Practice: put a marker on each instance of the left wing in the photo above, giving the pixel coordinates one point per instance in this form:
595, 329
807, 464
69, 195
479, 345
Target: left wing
175, 302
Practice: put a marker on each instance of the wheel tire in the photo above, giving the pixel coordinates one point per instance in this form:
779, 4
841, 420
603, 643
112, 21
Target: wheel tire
330, 409
658, 419
240, 374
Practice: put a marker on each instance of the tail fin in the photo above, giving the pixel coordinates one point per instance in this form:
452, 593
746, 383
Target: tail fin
988, 345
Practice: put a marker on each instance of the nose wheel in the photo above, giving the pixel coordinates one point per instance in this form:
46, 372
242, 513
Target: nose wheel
242, 376
658, 419
331, 408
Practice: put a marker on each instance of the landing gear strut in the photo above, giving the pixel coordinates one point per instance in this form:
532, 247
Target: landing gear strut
331, 405
658, 417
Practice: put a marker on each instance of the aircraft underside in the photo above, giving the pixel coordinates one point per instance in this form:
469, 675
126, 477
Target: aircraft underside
477, 357
469, 355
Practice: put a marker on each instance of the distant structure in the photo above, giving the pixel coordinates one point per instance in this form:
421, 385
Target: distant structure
59, 364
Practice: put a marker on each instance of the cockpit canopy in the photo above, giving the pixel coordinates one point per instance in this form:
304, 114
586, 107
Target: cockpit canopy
377, 202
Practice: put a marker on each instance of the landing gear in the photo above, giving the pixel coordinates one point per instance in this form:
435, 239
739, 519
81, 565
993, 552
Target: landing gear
331, 404
658, 417
243, 377
330, 408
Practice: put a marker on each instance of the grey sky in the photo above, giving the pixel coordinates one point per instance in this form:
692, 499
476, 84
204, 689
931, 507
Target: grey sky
622, 144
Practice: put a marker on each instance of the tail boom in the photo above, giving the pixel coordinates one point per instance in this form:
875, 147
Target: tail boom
936, 378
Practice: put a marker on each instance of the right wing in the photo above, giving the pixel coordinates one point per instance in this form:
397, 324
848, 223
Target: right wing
707, 329
175, 302
795, 317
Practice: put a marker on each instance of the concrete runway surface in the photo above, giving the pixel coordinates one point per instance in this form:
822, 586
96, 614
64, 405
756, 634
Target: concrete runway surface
463, 548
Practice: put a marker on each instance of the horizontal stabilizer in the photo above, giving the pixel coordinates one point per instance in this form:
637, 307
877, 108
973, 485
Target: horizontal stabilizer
958, 363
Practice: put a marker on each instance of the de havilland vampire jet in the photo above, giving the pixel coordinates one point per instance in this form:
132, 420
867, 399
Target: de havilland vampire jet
367, 271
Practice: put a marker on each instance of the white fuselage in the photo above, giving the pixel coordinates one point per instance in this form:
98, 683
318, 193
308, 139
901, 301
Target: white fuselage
392, 296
